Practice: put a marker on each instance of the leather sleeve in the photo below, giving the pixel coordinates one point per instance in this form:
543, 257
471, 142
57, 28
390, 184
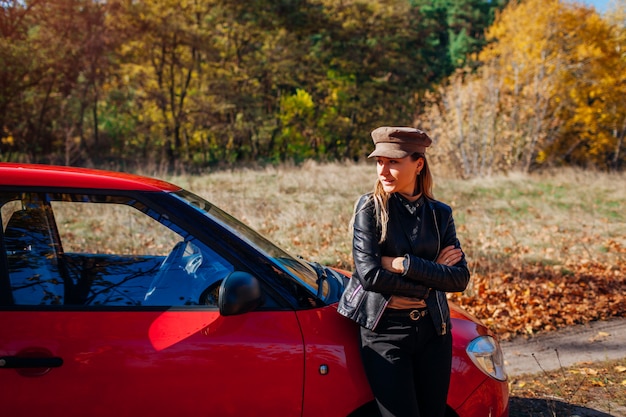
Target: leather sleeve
437, 276
367, 257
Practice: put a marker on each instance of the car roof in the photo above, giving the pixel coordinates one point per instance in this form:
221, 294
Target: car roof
38, 175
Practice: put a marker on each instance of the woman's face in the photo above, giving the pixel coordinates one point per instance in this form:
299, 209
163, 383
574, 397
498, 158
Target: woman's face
398, 175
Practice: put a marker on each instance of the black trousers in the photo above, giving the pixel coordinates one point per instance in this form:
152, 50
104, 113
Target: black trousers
408, 366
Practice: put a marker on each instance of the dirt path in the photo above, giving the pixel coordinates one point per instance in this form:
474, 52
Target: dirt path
596, 341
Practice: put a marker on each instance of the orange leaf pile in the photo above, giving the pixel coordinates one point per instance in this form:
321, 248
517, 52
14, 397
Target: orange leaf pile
531, 298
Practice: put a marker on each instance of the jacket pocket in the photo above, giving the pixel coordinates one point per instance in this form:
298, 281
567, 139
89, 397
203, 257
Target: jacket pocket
351, 299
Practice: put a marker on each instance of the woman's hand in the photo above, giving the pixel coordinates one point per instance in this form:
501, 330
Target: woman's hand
392, 264
449, 256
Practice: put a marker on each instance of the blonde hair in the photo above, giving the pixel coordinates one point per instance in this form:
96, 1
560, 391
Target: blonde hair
423, 185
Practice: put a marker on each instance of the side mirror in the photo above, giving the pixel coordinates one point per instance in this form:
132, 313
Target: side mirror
239, 293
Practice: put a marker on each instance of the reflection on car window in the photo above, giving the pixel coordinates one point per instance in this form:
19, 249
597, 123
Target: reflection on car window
284, 260
102, 250
33, 256
189, 275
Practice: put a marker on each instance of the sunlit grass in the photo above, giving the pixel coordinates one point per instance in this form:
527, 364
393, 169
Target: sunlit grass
555, 218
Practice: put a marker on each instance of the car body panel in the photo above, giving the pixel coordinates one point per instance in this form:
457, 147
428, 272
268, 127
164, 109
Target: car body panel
28, 175
470, 377
329, 341
142, 363
490, 398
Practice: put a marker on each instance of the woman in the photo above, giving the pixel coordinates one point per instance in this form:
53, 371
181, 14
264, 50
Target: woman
406, 257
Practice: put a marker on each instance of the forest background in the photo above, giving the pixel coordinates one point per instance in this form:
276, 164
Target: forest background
189, 85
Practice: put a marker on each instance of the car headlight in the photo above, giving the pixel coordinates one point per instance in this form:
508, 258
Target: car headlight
486, 354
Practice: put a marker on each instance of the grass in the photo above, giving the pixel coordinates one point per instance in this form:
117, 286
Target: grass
555, 218
590, 389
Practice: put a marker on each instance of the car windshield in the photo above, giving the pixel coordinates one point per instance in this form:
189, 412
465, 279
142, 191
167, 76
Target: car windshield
294, 266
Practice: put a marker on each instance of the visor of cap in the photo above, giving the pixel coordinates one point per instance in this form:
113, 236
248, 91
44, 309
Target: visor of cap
396, 150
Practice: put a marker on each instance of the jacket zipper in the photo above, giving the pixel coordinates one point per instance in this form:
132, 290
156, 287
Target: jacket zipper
358, 307
444, 329
380, 314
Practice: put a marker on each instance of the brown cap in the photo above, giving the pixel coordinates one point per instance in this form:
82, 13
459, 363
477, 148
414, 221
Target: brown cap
398, 142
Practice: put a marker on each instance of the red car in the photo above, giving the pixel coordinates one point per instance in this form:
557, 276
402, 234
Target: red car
123, 295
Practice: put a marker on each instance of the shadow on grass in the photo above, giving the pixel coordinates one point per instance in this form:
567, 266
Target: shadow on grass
546, 407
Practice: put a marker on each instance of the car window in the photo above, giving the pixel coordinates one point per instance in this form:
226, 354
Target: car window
103, 250
293, 265
32, 256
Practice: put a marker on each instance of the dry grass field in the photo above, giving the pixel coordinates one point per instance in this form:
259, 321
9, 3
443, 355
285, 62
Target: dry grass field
545, 250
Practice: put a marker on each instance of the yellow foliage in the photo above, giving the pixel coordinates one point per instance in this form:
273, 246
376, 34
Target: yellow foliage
551, 88
8, 140
565, 69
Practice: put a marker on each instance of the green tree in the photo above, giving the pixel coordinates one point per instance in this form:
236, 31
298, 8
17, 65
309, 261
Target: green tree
463, 24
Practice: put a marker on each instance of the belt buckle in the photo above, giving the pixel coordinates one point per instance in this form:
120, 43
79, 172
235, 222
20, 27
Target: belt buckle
415, 315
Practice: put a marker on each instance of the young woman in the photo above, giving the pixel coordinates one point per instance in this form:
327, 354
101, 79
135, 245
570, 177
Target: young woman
406, 257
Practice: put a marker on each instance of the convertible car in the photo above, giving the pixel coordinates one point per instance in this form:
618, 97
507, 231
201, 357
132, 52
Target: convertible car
123, 295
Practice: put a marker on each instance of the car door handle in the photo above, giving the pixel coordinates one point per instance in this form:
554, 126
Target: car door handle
22, 362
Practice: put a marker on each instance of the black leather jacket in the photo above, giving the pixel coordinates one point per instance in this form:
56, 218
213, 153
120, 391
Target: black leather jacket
432, 227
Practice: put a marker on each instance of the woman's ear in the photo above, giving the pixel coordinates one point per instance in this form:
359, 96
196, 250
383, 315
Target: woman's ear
420, 165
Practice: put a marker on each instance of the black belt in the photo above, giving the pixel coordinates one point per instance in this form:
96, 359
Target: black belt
413, 314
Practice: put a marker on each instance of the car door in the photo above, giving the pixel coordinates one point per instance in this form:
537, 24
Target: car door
108, 308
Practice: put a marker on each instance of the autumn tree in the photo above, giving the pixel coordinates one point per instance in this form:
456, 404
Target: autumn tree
617, 19
55, 53
25, 78
592, 93
548, 92
195, 83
